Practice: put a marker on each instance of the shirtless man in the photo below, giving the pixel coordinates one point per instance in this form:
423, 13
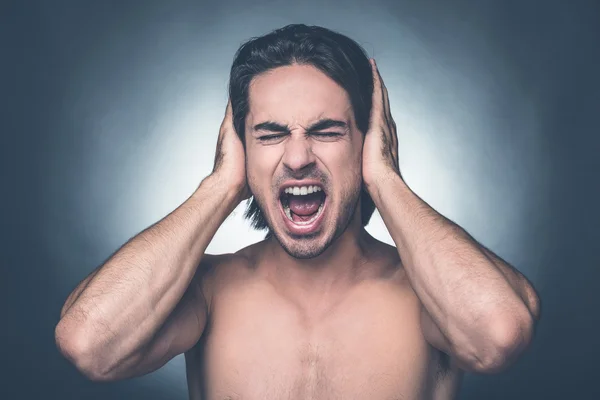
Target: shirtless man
319, 309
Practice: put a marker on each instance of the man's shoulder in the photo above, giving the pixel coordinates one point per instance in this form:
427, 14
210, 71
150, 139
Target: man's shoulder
384, 255
245, 257
216, 270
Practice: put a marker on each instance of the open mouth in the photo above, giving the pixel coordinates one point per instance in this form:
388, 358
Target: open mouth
302, 205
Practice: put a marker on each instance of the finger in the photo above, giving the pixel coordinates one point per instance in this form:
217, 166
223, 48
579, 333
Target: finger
223, 128
386, 107
386, 100
385, 97
377, 107
395, 136
228, 110
228, 118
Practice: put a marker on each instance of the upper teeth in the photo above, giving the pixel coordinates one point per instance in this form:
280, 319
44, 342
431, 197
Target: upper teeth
302, 190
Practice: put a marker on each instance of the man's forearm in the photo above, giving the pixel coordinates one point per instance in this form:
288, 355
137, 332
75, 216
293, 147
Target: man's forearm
124, 303
465, 288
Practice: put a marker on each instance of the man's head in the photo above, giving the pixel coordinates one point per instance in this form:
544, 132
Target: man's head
301, 99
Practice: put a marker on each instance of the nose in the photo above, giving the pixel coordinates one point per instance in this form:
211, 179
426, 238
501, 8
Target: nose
298, 154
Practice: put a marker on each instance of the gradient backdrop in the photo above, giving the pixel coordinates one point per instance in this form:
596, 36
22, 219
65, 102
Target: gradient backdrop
109, 120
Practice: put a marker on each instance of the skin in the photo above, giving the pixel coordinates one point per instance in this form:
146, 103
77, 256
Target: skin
275, 157
337, 314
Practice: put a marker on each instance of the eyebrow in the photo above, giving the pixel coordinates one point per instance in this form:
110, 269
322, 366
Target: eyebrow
320, 125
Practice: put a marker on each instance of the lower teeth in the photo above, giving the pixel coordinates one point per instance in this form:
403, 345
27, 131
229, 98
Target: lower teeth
288, 213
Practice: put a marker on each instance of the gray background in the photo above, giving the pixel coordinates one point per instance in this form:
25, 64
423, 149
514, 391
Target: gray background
109, 119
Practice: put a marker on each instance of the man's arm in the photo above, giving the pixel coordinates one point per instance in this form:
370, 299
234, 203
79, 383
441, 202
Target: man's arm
145, 304
477, 308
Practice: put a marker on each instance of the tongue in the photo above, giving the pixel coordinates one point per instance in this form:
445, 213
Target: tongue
304, 206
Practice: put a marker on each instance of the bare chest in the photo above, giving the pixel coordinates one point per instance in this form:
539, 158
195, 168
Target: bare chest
367, 346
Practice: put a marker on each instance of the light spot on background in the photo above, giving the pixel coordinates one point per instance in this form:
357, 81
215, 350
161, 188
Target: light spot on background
468, 135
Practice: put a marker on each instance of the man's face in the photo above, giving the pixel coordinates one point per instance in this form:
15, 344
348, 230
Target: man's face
303, 154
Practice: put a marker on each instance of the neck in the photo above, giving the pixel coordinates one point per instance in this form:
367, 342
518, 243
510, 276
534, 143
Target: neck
334, 270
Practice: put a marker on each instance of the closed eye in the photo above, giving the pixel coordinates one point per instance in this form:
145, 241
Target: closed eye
280, 135
327, 134
271, 137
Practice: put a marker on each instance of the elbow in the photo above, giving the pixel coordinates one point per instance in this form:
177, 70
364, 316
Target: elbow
78, 349
507, 340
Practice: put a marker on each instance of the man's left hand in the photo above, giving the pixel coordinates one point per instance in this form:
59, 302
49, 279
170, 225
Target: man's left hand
380, 148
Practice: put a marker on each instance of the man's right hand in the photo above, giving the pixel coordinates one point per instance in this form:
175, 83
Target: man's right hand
230, 158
